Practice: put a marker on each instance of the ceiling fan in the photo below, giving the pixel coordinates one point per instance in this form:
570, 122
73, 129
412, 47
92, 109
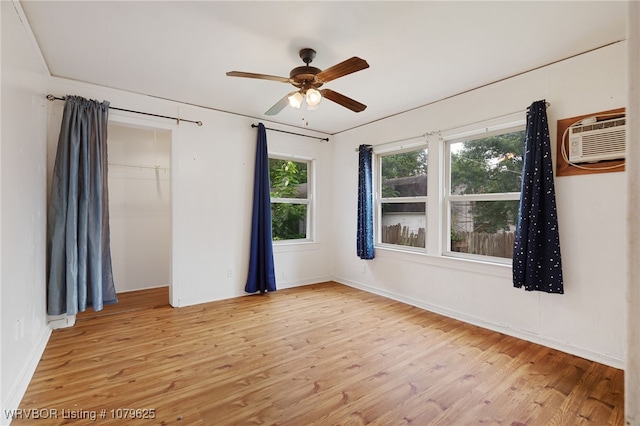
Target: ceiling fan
308, 79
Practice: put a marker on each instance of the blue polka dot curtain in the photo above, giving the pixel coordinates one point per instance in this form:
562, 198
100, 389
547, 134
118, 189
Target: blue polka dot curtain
537, 262
365, 204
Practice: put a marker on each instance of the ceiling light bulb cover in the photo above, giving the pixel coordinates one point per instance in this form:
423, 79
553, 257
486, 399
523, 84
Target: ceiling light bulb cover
313, 97
295, 100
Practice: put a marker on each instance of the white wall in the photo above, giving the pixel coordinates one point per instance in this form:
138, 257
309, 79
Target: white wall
22, 211
212, 184
589, 319
140, 206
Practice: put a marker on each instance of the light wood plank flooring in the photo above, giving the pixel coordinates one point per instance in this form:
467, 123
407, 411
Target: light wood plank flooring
323, 354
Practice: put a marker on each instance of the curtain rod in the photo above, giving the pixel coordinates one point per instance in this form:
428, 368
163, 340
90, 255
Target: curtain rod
178, 120
424, 135
292, 133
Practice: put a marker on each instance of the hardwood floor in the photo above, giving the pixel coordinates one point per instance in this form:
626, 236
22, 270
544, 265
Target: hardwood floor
324, 354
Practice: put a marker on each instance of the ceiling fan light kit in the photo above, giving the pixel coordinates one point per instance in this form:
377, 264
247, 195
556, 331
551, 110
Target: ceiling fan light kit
313, 97
295, 100
308, 80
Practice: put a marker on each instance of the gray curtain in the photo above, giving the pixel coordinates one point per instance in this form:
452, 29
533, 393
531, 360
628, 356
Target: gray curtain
78, 243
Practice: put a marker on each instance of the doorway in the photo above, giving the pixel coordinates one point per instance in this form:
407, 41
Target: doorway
140, 206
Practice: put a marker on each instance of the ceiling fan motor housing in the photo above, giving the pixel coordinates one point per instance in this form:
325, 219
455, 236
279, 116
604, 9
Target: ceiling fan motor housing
305, 77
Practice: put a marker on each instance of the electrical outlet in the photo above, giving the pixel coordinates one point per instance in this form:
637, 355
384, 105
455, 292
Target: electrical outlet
19, 329
229, 273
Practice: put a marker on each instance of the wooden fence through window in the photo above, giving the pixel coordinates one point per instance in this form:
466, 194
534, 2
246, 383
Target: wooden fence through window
499, 244
398, 234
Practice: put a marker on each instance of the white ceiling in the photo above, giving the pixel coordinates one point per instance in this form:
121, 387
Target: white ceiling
419, 51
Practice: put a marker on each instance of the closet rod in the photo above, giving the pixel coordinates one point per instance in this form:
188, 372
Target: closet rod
133, 166
178, 120
292, 133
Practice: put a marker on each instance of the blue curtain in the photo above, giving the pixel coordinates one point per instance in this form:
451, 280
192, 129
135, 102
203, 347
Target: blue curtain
537, 262
78, 241
365, 204
261, 276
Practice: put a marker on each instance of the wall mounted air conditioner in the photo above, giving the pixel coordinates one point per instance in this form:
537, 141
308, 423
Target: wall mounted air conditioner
593, 140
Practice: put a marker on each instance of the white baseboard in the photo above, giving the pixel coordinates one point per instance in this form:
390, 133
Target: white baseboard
17, 392
520, 334
282, 284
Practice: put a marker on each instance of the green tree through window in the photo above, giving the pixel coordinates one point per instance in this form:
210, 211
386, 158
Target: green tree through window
289, 189
488, 166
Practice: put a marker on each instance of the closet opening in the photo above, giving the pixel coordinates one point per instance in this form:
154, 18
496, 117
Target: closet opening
140, 203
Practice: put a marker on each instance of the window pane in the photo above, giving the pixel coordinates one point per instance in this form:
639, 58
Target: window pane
404, 224
484, 227
288, 221
488, 165
404, 175
288, 178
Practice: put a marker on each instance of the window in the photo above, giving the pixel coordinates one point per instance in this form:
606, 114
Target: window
402, 198
290, 198
475, 180
482, 193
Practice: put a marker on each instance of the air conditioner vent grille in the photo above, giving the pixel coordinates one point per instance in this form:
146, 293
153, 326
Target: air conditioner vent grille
603, 143
601, 140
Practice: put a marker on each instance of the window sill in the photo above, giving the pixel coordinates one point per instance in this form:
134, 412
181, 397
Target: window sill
502, 270
295, 245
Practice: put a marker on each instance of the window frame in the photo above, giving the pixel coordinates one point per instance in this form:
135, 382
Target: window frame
309, 201
438, 200
448, 198
379, 200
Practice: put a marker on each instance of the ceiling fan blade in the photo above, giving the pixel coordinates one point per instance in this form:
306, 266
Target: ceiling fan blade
279, 106
258, 76
343, 68
343, 100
